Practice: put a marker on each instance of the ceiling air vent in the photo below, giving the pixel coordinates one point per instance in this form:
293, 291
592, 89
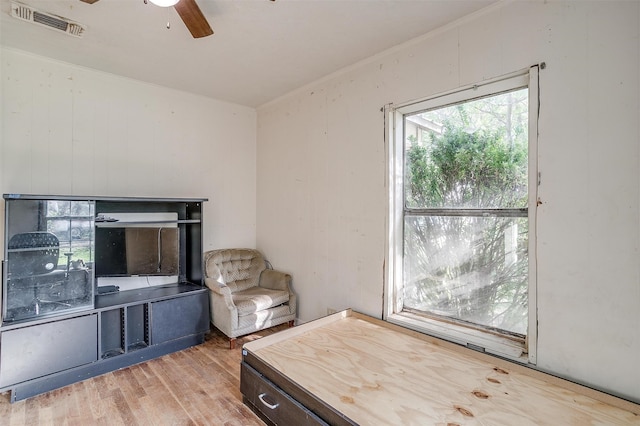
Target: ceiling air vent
58, 23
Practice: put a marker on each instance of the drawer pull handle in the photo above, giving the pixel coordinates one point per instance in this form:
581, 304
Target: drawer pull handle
270, 406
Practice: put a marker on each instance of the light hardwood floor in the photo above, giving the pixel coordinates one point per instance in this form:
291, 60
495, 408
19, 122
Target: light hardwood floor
197, 386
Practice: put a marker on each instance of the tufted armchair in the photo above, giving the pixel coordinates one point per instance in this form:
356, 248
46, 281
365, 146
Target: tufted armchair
246, 296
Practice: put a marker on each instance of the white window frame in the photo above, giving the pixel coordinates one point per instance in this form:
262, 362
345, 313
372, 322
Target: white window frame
523, 352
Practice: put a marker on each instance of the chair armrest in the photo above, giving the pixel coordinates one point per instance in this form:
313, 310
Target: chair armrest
218, 287
224, 313
275, 280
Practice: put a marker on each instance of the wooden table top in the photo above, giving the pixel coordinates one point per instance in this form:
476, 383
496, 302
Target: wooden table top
377, 373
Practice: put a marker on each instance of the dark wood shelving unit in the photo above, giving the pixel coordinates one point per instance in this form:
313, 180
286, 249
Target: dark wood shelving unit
47, 344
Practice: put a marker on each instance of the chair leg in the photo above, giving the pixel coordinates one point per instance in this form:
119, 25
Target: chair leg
291, 323
232, 343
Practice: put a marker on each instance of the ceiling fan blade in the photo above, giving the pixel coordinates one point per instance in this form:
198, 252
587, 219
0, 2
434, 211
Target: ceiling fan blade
89, 1
193, 18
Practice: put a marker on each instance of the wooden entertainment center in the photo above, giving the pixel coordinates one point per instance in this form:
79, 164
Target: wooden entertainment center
95, 284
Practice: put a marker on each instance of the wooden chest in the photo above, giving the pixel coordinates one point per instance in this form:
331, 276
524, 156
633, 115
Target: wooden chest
349, 368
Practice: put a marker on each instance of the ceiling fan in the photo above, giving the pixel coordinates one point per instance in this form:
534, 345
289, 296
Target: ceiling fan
190, 14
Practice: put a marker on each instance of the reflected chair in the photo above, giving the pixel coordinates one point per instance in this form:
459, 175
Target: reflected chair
246, 294
32, 266
33, 253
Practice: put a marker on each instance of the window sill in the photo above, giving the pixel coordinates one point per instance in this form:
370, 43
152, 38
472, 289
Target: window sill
474, 339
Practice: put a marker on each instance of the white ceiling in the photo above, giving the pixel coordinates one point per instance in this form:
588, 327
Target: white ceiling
260, 51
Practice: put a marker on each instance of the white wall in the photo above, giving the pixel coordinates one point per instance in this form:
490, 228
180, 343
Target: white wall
71, 130
321, 174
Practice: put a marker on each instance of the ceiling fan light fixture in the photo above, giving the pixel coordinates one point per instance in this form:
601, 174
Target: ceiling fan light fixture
164, 3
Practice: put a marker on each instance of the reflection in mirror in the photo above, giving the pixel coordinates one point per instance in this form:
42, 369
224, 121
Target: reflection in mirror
49, 252
137, 250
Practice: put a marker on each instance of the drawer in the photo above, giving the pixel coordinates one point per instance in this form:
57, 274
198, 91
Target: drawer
270, 401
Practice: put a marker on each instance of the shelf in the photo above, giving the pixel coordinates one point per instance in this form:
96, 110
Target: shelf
146, 294
136, 346
119, 223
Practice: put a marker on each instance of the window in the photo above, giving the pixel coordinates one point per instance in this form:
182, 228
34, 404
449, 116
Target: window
72, 223
463, 184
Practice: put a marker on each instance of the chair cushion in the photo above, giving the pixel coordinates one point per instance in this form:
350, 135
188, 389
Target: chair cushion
257, 299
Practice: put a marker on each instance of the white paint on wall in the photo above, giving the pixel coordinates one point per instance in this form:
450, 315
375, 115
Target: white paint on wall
71, 130
322, 195
319, 169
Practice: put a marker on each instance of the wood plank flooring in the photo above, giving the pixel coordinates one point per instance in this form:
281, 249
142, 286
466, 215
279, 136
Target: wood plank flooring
196, 386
